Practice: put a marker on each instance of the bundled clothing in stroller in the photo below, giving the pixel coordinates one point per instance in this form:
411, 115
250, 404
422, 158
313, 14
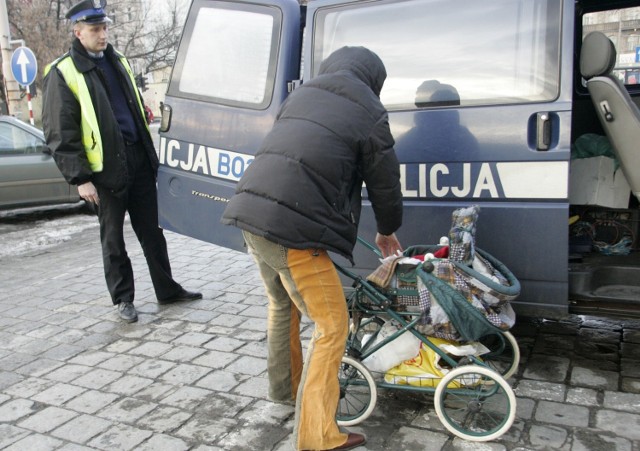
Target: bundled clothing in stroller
461, 292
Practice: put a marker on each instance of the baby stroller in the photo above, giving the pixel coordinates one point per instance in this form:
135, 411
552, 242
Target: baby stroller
450, 314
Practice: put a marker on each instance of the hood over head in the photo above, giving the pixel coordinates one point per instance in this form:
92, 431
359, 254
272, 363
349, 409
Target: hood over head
360, 61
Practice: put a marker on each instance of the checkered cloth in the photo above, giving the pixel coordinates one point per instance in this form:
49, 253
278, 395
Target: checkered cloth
383, 273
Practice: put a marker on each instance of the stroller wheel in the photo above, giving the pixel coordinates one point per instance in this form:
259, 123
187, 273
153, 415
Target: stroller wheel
475, 403
504, 357
358, 392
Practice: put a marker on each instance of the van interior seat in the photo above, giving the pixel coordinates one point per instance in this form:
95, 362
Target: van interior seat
618, 115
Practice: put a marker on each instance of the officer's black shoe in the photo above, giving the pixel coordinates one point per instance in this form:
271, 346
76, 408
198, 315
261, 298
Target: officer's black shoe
182, 296
127, 312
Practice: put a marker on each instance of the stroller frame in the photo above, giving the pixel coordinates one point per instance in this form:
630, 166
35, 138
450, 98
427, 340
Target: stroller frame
473, 400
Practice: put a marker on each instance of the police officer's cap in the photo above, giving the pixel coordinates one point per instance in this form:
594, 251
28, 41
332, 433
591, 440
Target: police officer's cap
88, 11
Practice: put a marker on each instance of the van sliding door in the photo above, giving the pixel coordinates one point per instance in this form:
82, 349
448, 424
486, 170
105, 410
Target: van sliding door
480, 107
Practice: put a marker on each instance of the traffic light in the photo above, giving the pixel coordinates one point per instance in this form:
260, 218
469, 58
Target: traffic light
31, 89
141, 82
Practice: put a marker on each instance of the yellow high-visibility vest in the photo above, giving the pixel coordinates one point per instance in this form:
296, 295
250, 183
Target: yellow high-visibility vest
91, 138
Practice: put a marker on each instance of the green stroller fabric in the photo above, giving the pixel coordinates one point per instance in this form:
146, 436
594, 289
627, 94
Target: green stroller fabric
457, 302
469, 322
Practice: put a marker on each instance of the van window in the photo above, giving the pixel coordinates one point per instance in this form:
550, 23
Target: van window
622, 26
228, 59
502, 52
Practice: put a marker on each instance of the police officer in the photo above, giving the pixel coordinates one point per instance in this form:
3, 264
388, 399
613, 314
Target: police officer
94, 123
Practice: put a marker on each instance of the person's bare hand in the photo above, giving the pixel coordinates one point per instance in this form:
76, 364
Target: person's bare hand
388, 244
89, 193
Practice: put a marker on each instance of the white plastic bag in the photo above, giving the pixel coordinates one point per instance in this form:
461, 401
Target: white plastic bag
403, 347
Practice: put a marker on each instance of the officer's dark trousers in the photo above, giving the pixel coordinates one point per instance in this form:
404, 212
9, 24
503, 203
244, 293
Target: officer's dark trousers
140, 200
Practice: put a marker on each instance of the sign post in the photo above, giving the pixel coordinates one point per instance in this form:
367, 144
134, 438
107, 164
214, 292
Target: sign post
24, 68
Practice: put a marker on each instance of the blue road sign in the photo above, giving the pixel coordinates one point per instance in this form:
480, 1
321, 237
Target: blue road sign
637, 54
24, 66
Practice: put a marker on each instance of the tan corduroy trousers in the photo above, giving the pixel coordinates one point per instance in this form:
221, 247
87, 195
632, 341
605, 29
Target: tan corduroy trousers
304, 281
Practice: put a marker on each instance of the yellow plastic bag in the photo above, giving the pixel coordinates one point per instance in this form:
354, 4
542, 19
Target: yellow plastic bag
427, 368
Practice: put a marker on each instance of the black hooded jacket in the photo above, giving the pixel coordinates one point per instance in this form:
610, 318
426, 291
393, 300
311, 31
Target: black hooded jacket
61, 115
303, 190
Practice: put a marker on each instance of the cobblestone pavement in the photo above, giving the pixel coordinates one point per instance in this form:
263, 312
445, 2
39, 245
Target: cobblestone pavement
193, 376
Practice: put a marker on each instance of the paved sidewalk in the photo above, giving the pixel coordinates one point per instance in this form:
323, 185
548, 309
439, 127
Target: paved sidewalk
193, 376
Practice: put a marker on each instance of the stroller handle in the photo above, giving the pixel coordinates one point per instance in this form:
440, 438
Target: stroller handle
370, 246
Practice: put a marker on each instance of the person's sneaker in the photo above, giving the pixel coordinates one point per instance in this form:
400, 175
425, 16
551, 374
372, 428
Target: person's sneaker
182, 296
127, 312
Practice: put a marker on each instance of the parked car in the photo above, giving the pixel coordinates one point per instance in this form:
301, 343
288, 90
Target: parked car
28, 174
148, 114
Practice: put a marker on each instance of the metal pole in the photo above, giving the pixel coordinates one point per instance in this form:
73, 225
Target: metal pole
30, 107
5, 36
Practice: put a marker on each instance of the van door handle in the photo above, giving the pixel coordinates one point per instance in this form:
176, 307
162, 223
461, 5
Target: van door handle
543, 131
165, 121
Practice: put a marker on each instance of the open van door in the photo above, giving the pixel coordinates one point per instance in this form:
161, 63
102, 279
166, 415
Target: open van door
479, 98
236, 63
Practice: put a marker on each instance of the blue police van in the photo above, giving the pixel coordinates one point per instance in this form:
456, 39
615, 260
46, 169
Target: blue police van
486, 103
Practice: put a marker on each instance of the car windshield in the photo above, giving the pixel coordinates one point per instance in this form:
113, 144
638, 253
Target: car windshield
16, 141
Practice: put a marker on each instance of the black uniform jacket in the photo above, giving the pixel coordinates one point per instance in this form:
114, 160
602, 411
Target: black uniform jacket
61, 123
303, 190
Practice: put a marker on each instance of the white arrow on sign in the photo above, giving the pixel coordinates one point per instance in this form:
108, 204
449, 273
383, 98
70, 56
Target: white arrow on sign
23, 62
24, 65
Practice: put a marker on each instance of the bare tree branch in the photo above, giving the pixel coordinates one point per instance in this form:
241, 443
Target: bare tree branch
149, 40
